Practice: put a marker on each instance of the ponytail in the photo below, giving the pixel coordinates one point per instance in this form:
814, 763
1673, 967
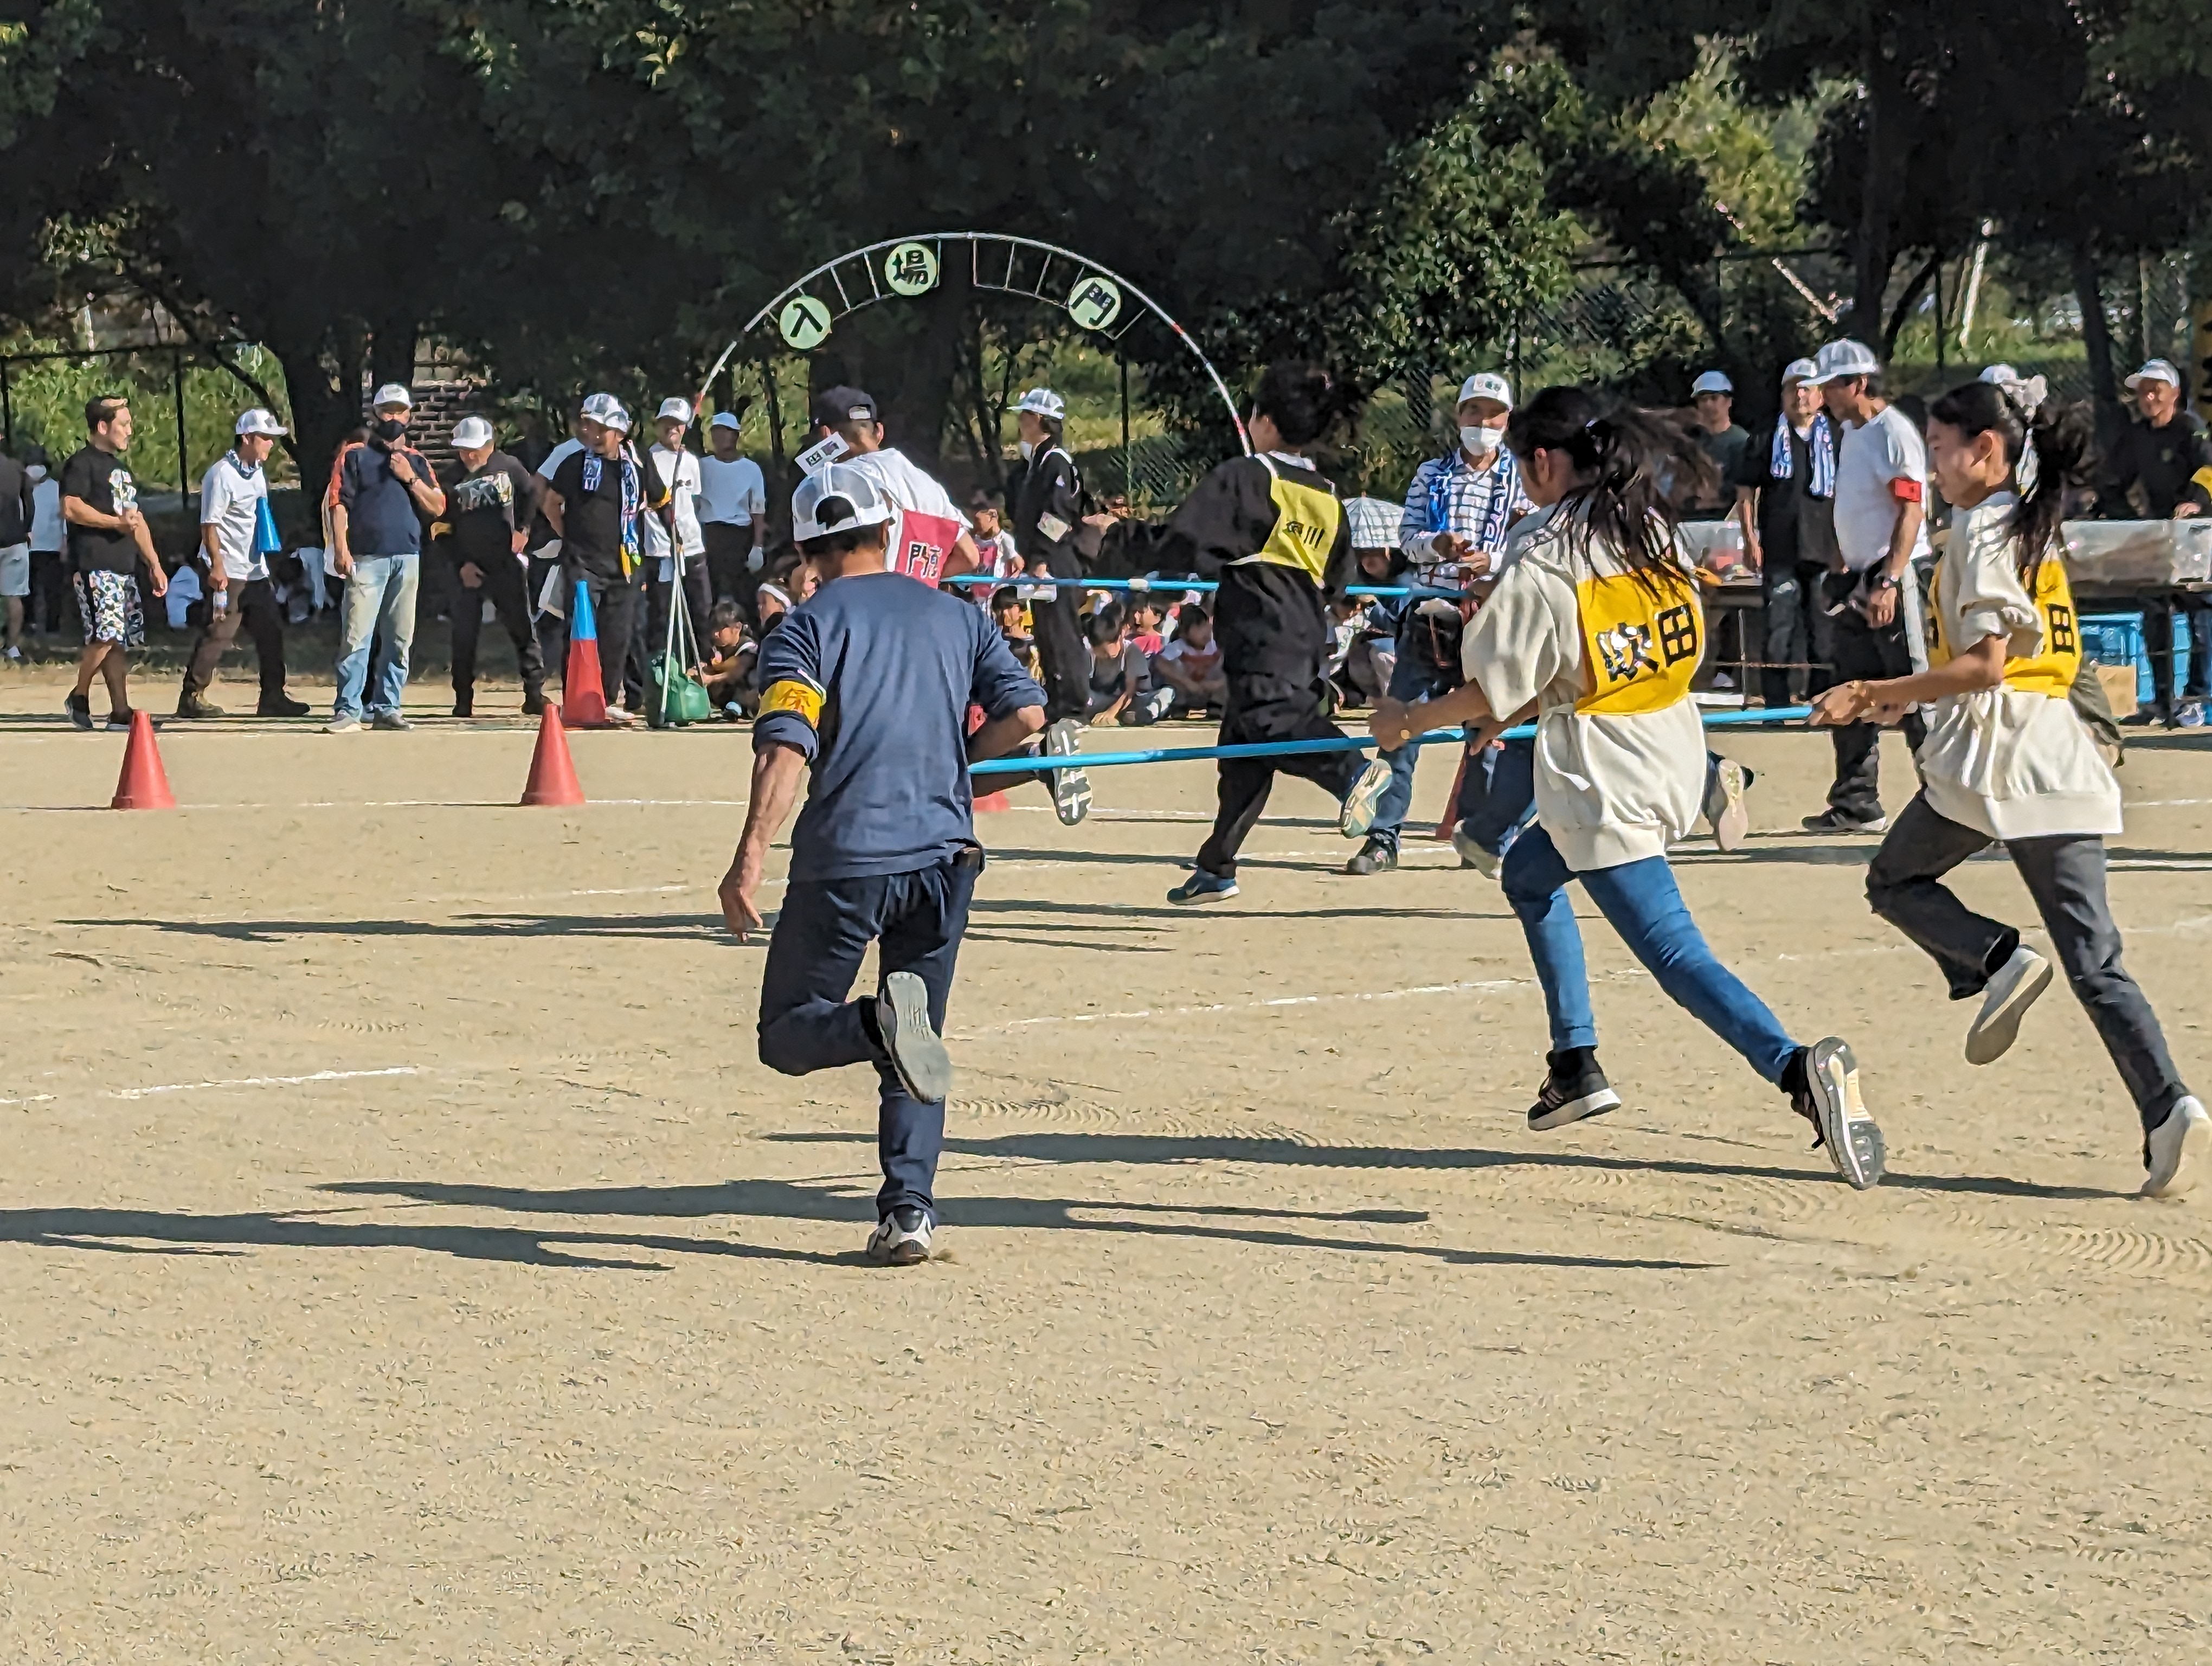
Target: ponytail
1629, 465
2048, 447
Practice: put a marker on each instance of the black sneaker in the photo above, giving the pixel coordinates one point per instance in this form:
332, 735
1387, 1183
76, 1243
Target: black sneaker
79, 707
1575, 1088
281, 705
464, 708
1823, 1084
1833, 820
1375, 856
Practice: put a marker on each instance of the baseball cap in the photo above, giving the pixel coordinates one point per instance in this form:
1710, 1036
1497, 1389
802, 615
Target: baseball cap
1042, 401
1997, 374
1486, 385
392, 394
853, 498
834, 407
470, 432
257, 421
615, 417
1712, 381
678, 406
724, 419
1800, 370
597, 406
2156, 370
1843, 358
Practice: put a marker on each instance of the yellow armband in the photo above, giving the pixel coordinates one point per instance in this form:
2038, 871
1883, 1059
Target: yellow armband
800, 699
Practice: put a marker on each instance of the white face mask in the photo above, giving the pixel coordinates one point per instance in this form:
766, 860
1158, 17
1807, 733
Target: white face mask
1481, 441
1029, 450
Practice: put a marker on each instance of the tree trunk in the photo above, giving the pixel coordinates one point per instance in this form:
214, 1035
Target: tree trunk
1880, 184
391, 352
2096, 334
322, 414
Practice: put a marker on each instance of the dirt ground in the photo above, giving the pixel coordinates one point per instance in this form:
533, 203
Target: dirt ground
404, 1258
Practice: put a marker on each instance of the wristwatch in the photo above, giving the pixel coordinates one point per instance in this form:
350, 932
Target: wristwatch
1886, 581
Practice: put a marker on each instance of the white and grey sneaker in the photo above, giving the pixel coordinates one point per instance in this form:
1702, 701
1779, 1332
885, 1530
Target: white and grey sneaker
924, 1067
1828, 1098
2005, 1001
901, 1239
2174, 1152
1726, 811
1487, 863
1071, 789
1357, 814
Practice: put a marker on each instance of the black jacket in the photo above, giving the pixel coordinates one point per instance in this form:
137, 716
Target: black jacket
1050, 488
15, 507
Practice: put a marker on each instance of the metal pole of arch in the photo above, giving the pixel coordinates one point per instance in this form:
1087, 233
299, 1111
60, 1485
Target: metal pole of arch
1128, 469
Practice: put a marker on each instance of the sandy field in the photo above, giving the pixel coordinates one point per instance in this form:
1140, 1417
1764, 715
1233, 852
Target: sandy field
404, 1258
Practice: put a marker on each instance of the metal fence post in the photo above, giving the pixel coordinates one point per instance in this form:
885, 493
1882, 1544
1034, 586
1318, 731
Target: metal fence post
184, 462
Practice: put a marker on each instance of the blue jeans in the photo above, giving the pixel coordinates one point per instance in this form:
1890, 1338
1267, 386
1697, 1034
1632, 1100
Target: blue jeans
1410, 680
379, 596
1641, 902
807, 1024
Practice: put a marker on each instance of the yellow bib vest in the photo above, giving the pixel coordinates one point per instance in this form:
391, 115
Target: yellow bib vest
1307, 521
1643, 647
2050, 673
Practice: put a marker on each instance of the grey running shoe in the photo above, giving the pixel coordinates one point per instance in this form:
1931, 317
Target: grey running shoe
1726, 811
1071, 789
910, 1040
901, 1239
1825, 1091
2005, 1001
1487, 863
1357, 814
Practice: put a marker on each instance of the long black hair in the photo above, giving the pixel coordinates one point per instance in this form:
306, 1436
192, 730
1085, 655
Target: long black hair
1630, 464
2062, 437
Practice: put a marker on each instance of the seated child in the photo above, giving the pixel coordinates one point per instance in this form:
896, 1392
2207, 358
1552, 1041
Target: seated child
1120, 684
1188, 669
728, 673
1011, 615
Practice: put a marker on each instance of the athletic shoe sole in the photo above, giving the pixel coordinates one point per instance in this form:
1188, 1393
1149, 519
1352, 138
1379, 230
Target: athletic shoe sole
1854, 1144
2178, 1158
924, 1067
1485, 862
1996, 1026
1591, 1104
1071, 789
1724, 806
1358, 815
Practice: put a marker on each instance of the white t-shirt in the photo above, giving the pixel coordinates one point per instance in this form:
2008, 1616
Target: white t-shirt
929, 523
1875, 454
46, 514
560, 454
2013, 761
1621, 769
731, 493
230, 502
679, 472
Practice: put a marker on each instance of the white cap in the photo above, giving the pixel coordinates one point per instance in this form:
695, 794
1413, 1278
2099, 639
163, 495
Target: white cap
723, 419
257, 421
392, 394
471, 433
1800, 370
1998, 375
2156, 370
615, 417
1712, 381
597, 406
1843, 358
1044, 402
1486, 385
865, 504
678, 406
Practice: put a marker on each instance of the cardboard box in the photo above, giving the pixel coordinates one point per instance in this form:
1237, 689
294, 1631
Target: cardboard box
2119, 684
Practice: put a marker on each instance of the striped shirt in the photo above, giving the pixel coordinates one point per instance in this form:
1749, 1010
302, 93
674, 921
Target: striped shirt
1452, 495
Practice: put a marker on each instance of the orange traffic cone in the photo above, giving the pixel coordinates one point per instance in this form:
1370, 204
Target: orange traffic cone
994, 801
583, 694
143, 784
552, 773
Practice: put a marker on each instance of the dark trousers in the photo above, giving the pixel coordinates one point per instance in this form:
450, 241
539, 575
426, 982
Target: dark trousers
1063, 656
552, 629
1273, 647
2158, 643
807, 1024
630, 659
253, 605
698, 603
614, 615
50, 592
1861, 650
727, 577
1796, 633
504, 586
2065, 875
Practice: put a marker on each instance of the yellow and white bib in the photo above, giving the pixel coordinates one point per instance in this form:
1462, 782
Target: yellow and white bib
2049, 672
1643, 641
1307, 518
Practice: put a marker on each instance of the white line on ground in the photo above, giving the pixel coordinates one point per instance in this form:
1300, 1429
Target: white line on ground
262, 1081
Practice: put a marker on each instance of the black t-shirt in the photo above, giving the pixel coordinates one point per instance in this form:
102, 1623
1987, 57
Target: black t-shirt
590, 512
1050, 490
484, 508
105, 483
2159, 459
1794, 525
1726, 450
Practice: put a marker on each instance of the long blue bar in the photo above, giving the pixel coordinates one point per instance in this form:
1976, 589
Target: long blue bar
1026, 765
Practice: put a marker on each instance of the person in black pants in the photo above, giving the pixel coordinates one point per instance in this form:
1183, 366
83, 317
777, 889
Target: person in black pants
237, 538
1785, 500
1048, 524
866, 690
2154, 459
595, 500
488, 511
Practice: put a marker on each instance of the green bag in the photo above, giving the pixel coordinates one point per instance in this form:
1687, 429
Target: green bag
676, 700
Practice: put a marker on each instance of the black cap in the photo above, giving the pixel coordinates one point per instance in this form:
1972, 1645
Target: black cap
834, 407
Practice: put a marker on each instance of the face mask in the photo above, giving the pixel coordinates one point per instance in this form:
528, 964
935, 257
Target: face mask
1480, 440
1029, 450
36, 470
389, 429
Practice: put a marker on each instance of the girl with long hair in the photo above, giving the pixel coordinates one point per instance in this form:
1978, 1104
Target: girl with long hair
1597, 624
2006, 758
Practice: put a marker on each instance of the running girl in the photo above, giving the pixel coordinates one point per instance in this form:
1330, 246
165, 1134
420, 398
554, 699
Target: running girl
1596, 622
2006, 758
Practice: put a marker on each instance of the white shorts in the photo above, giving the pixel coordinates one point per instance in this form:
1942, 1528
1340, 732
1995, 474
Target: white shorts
15, 570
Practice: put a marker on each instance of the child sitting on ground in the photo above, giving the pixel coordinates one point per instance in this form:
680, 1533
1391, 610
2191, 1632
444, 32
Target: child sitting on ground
1188, 669
1011, 615
1120, 680
728, 673
1145, 623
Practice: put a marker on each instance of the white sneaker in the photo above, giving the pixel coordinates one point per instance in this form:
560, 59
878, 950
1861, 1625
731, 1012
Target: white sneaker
2005, 1001
901, 1239
344, 723
1357, 816
1485, 862
2174, 1152
1071, 789
1725, 809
